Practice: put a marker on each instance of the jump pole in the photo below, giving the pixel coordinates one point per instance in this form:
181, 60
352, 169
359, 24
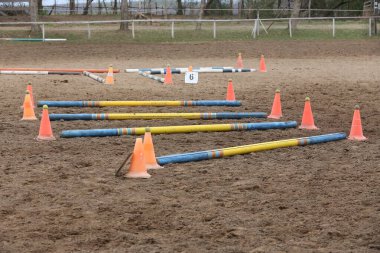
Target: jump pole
188, 103
176, 71
95, 77
80, 71
158, 79
246, 149
180, 69
130, 116
33, 39
178, 129
18, 72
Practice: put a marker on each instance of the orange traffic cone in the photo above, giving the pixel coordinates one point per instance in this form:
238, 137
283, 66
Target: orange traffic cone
45, 134
307, 117
168, 76
30, 89
137, 168
230, 91
150, 156
109, 78
263, 67
356, 132
239, 62
28, 108
276, 112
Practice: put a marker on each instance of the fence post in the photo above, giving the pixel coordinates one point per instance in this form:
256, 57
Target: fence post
214, 29
290, 28
333, 27
369, 27
133, 29
43, 32
173, 30
254, 29
258, 23
88, 31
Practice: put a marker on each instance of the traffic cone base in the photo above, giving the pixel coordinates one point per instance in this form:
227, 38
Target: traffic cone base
274, 116
43, 138
137, 175
230, 91
109, 78
263, 67
307, 117
276, 112
356, 132
45, 133
28, 113
137, 168
308, 127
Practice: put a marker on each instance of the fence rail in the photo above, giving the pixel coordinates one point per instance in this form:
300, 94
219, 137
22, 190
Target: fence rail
255, 24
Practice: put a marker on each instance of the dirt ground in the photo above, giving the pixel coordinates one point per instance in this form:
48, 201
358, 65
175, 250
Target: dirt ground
62, 196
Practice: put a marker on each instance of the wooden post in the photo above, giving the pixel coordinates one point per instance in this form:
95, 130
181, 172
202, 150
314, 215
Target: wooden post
254, 30
43, 32
173, 30
88, 31
133, 29
214, 29
369, 27
333, 27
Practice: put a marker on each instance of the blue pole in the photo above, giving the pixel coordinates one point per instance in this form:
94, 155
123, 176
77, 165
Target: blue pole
219, 153
167, 130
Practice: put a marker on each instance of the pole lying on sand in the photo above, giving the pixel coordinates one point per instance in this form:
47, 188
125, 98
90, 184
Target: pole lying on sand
139, 103
32, 39
80, 71
95, 77
178, 129
180, 69
176, 71
240, 150
130, 116
158, 79
19, 72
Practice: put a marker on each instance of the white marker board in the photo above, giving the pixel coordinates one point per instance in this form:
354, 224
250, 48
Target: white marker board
191, 77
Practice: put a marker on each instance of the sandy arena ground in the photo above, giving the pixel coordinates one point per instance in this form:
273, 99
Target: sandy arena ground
62, 196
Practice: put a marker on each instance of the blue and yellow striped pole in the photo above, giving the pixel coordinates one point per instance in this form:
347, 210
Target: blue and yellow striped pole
130, 116
240, 150
178, 129
139, 103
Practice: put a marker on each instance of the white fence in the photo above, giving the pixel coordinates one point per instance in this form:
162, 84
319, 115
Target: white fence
256, 24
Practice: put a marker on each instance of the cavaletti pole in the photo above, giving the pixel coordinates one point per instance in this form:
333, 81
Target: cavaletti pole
178, 129
240, 150
162, 103
130, 116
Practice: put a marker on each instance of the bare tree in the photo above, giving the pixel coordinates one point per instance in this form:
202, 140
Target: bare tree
115, 7
179, 7
85, 9
124, 15
34, 16
295, 13
201, 11
72, 7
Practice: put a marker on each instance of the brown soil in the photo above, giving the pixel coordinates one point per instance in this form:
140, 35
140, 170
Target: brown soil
62, 196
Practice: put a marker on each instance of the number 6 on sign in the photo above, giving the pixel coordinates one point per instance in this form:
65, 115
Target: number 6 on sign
191, 77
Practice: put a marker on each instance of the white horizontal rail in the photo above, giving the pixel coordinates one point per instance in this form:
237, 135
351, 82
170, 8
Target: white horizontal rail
180, 20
